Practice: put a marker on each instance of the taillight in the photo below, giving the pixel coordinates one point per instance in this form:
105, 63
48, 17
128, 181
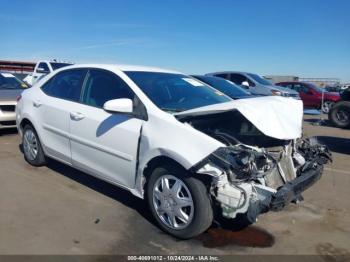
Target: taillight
18, 98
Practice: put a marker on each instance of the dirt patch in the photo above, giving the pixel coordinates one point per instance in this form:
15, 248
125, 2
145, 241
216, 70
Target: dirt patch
331, 253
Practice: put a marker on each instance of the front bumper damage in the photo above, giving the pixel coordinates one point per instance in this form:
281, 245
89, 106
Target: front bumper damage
292, 190
251, 181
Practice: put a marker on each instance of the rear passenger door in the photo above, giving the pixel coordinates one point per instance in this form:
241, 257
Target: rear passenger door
102, 143
60, 95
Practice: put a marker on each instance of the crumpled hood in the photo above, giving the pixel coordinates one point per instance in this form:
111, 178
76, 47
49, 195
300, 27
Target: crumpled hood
277, 117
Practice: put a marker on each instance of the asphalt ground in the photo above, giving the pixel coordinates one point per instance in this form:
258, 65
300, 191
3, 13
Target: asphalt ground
59, 210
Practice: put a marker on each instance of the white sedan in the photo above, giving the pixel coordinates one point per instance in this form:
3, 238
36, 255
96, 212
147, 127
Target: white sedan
191, 152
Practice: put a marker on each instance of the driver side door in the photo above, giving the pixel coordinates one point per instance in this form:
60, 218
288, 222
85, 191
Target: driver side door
102, 143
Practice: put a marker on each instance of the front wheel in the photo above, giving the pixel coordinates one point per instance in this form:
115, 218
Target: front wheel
33, 152
180, 203
339, 115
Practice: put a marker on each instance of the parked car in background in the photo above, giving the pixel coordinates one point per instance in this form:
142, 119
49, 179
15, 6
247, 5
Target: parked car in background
311, 95
339, 115
225, 86
255, 84
10, 89
344, 87
42, 68
185, 147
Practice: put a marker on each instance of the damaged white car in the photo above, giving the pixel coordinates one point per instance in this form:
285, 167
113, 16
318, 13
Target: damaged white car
191, 152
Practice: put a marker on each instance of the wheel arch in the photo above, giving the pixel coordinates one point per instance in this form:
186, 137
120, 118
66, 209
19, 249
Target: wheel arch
25, 121
160, 160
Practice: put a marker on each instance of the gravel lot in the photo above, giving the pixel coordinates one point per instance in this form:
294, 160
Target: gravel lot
58, 210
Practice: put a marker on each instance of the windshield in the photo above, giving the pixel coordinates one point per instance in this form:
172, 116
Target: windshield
176, 92
225, 86
56, 66
9, 81
317, 88
260, 80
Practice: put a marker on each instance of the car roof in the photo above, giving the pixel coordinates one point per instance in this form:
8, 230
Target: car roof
228, 72
123, 68
293, 82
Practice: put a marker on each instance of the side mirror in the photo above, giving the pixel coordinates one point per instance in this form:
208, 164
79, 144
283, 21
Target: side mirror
42, 71
121, 105
245, 84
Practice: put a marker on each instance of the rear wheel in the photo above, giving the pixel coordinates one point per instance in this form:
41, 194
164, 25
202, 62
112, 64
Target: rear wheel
179, 203
33, 152
339, 115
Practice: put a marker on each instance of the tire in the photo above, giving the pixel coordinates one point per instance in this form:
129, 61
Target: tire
200, 214
32, 149
339, 115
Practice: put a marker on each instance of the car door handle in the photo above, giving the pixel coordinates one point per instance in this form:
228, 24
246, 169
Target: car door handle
37, 103
76, 116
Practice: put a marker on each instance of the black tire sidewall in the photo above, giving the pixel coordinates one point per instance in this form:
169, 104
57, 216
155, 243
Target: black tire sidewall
203, 212
332, 114
40, 159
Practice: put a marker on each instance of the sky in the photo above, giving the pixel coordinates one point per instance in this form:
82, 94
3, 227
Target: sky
307, 38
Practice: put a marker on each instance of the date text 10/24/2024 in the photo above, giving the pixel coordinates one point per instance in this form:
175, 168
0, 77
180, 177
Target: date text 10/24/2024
173, 258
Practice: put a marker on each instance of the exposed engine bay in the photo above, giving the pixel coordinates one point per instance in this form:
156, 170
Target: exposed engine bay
255, 173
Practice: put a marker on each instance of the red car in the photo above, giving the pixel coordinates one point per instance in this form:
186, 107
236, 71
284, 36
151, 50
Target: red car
311, 95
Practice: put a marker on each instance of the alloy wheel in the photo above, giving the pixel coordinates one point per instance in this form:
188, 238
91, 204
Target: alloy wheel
326, 107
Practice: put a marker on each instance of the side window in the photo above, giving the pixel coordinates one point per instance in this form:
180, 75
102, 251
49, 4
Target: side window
305, 89
288, 85
102, 86
238, 79
297, 87
66, 85
43, 66
222, 75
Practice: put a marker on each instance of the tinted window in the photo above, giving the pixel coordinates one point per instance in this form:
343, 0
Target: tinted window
222, 75
316, 88
225, 86
66, 85
288, 85
297, 87
56, 65
176, 92
260, 80
102, 86
238, 79
43, 66
304, 88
